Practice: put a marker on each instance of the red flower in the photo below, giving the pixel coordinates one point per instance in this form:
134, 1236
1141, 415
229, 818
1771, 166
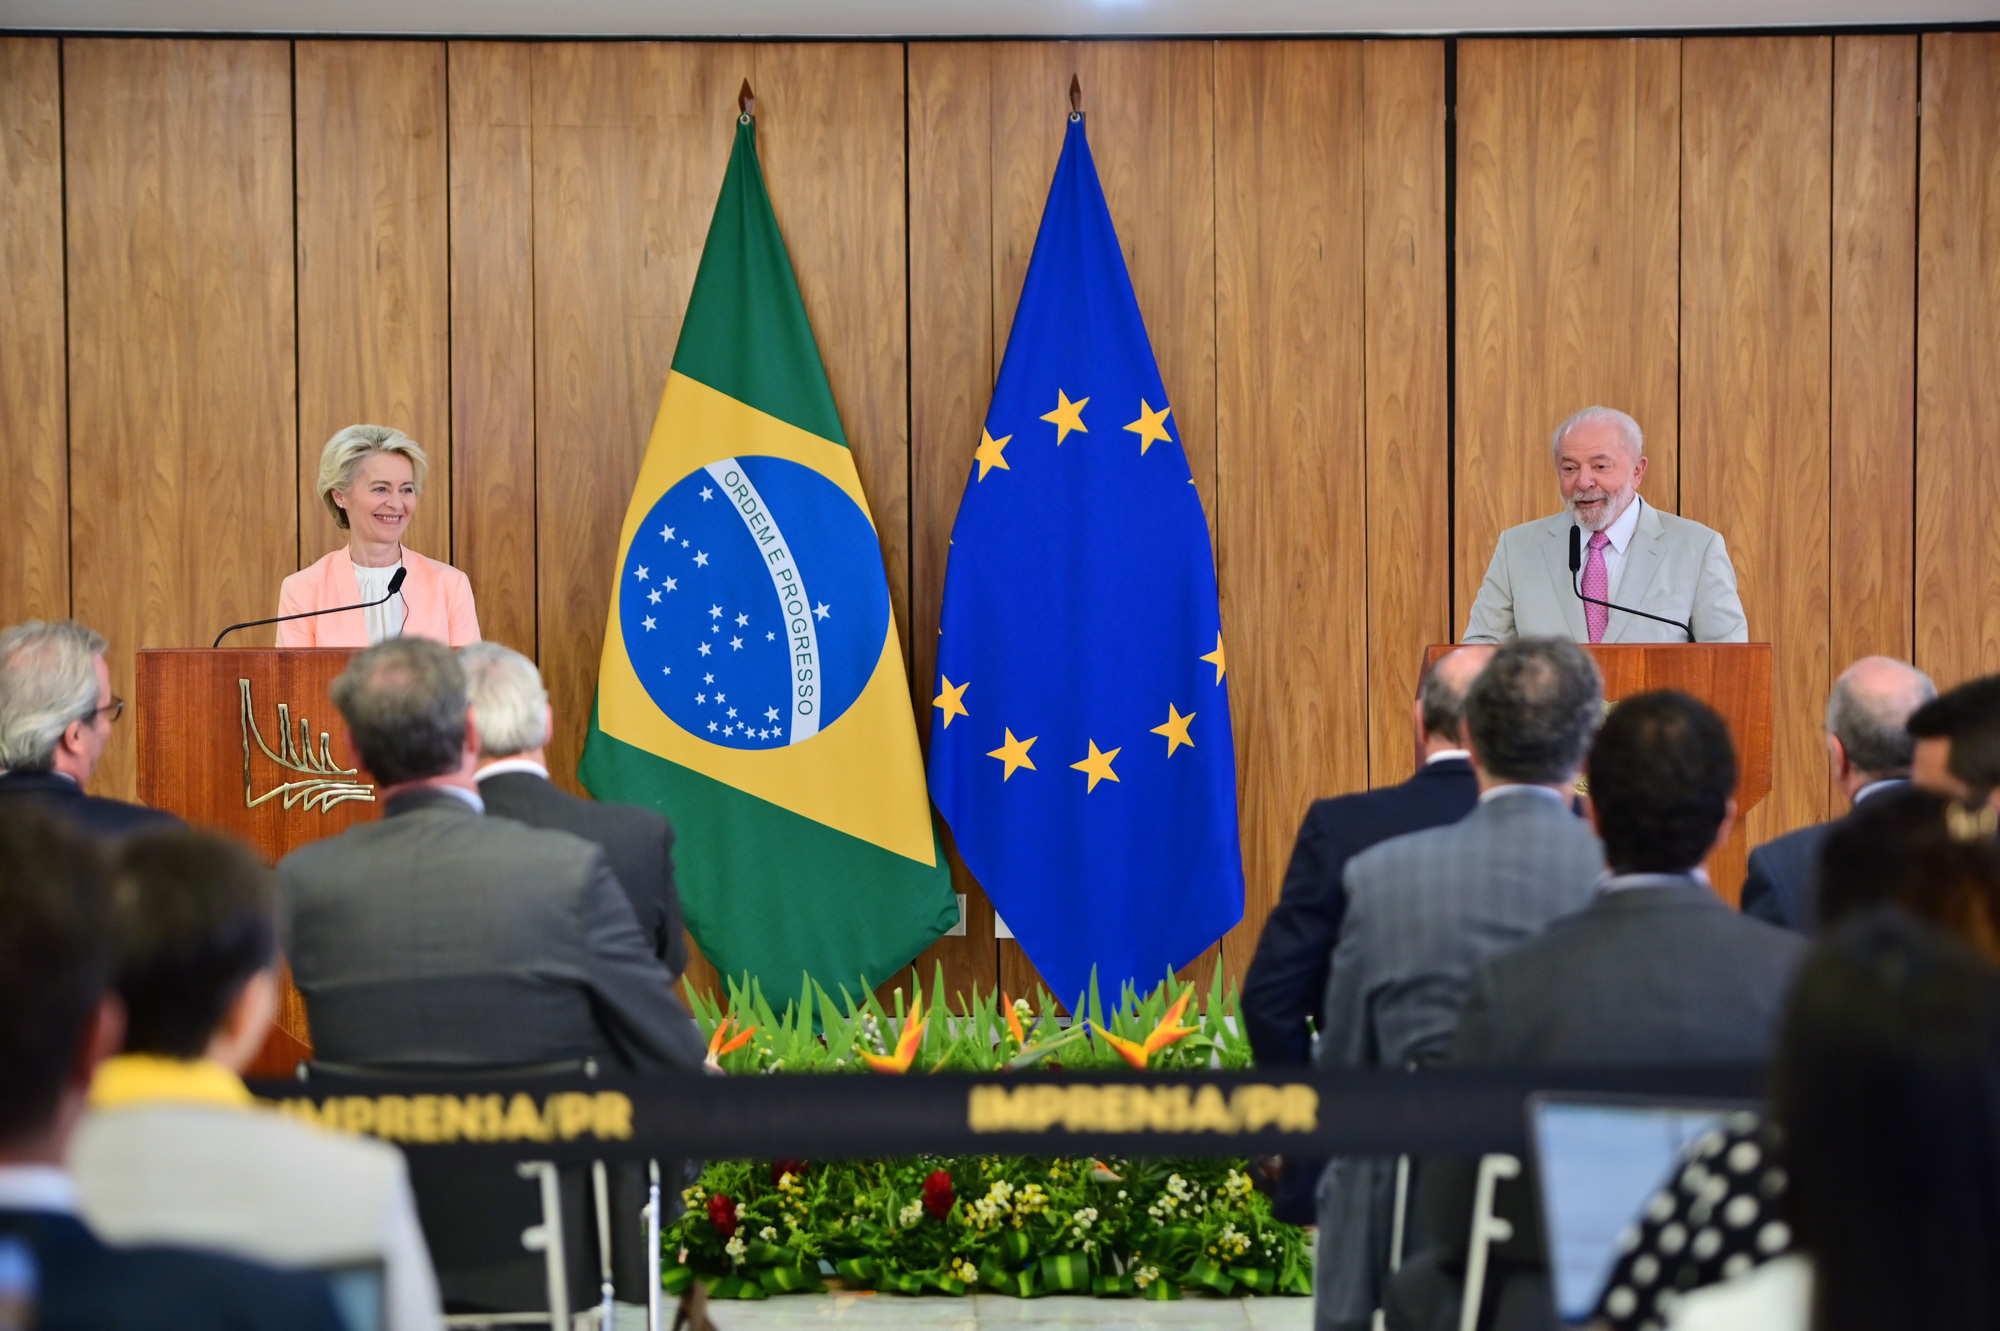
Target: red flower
780, 1168
938, 1195
722, 1214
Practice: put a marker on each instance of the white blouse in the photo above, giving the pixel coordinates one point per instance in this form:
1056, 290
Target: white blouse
386, 620
1776, 1296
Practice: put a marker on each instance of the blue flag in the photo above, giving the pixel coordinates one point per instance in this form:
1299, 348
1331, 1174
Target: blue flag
1080, 740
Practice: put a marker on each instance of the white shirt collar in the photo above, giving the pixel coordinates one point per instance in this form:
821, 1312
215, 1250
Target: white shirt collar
37, 1188
469, 796
1495, 792
1877, 787
502, 766
1625, 882
1620, 532
1449, 755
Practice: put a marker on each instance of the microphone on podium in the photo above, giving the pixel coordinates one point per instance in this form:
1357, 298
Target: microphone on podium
395, 585
1576, 585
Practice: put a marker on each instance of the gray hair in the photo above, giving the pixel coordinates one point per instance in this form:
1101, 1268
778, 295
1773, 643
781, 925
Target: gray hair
1628, 429
343, 455
1534, 709
47, 680
510, 705
1869, 710
404, 704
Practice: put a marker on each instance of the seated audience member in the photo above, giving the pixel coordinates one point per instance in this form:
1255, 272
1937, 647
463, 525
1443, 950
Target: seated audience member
1868, 749
1919, 851
172, 1150
1887, 1087
1657, 969
439, 938
1287, 978
1424, 909
58, 1021
56, 712
1958, 742
510, 710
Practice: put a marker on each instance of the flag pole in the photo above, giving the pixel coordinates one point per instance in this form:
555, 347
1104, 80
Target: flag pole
746, 102
1075, 97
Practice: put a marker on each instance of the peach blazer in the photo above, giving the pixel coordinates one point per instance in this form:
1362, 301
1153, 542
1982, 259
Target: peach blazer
437, 600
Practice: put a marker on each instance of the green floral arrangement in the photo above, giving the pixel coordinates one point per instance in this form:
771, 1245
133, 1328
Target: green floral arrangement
1022, 1226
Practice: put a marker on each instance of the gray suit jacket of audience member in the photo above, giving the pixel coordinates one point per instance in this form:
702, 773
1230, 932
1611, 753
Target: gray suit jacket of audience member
256, 1185
437, 938
1422, 911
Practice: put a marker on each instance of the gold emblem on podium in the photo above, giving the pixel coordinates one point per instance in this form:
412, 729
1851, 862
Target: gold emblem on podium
326, 784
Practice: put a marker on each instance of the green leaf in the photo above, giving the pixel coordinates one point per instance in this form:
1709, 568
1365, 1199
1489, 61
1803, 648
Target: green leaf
859, 1272
1208, 1275
675, 1278
790, 1280
736, 1287
1066, 1272
1014, 1248
1165, 1289
1114, 1287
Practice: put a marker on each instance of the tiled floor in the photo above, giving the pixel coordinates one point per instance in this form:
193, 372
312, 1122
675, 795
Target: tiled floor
982, 1311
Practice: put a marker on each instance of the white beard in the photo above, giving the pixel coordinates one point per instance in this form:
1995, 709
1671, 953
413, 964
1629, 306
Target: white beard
1616, 502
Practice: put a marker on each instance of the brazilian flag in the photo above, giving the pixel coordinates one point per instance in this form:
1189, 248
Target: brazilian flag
752, 687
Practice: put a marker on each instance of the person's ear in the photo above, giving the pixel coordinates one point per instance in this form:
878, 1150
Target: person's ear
246, 1023
1639, 471
471, 734
1836, 756
1722, 832
103, 1036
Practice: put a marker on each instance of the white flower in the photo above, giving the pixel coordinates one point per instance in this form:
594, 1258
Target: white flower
735, 1249
768, 1234
912, 1215
1145, 1276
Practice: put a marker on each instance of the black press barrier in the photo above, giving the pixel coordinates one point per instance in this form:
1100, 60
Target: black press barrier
1447, 1111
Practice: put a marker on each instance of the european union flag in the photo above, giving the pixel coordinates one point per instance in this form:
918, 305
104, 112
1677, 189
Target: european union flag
1080, 738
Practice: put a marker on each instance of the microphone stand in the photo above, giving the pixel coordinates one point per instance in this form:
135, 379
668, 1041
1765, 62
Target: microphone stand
395, 585
1576, 585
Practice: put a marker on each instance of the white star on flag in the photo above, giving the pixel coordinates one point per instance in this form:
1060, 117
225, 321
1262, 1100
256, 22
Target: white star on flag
822, 610
701, 559
649, 623
640, 573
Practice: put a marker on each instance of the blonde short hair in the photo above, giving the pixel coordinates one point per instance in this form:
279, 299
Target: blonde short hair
344, 453
509, 703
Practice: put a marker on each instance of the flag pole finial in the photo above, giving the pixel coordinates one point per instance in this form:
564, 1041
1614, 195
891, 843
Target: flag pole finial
746, 102
1075, 98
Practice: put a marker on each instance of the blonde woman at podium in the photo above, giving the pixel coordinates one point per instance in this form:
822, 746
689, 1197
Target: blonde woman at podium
369, 478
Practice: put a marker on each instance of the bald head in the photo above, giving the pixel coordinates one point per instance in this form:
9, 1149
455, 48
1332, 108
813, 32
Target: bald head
1441, 702
1867, 720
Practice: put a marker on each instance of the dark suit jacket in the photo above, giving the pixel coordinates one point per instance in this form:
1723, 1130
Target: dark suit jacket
1287, 979
86, 1286
436, 938
1665, 973
638, 842
1782, 887
97, 817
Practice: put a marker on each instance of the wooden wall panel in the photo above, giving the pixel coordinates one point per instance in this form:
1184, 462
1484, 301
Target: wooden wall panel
1756, 216
373, 278
1873, 444
493, 334
34, 414
183, 441
1289, 428
1404, 348
1568, 225
952, 364
1958, 329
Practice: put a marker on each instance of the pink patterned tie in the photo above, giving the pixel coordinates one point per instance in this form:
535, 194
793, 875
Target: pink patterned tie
1598, 585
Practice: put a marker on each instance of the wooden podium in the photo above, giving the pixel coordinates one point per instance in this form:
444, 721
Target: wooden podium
247, 742
1734, 679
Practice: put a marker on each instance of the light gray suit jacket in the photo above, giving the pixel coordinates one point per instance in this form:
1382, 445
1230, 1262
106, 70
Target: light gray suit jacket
1674, 567
437, 938
1422, 911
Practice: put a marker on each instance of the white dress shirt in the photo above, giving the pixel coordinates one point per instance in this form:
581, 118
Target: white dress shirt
1620, 533
386, 620
502, 766
1515, 788
43, 1188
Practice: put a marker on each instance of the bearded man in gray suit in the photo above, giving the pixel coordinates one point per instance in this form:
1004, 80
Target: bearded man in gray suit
1424, 909
1628, 552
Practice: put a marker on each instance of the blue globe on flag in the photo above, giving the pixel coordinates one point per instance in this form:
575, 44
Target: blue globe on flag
753, 602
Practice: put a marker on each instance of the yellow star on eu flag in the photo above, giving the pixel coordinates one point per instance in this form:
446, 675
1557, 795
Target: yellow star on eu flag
1215, 657
989, 454
1098, 766
1151, 427
1067, 416
1175, 730
1014, 753
952, 700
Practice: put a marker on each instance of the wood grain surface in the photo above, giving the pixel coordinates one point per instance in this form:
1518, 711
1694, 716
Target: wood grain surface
34, 414
1291, 453
183, 446
1755, 344
374, 283
493, 334
1958, 328
1568, 225
1404, 343
1874, 358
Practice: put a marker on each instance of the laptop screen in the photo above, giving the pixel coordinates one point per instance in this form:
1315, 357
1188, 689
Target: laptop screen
1598, 1160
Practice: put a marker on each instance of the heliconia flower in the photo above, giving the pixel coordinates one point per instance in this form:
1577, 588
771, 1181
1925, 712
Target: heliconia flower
716, 1046
938, 1194
906, 1044
1101, 1173
1013, 1017
722, 1214
1167, 1032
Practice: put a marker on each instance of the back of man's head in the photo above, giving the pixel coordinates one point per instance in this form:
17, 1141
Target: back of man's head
196, 918
48, 678
509, 702
404, 703
1661, 773
1445, 685
1532, 710
55, 962
1869, 709
1969, 717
